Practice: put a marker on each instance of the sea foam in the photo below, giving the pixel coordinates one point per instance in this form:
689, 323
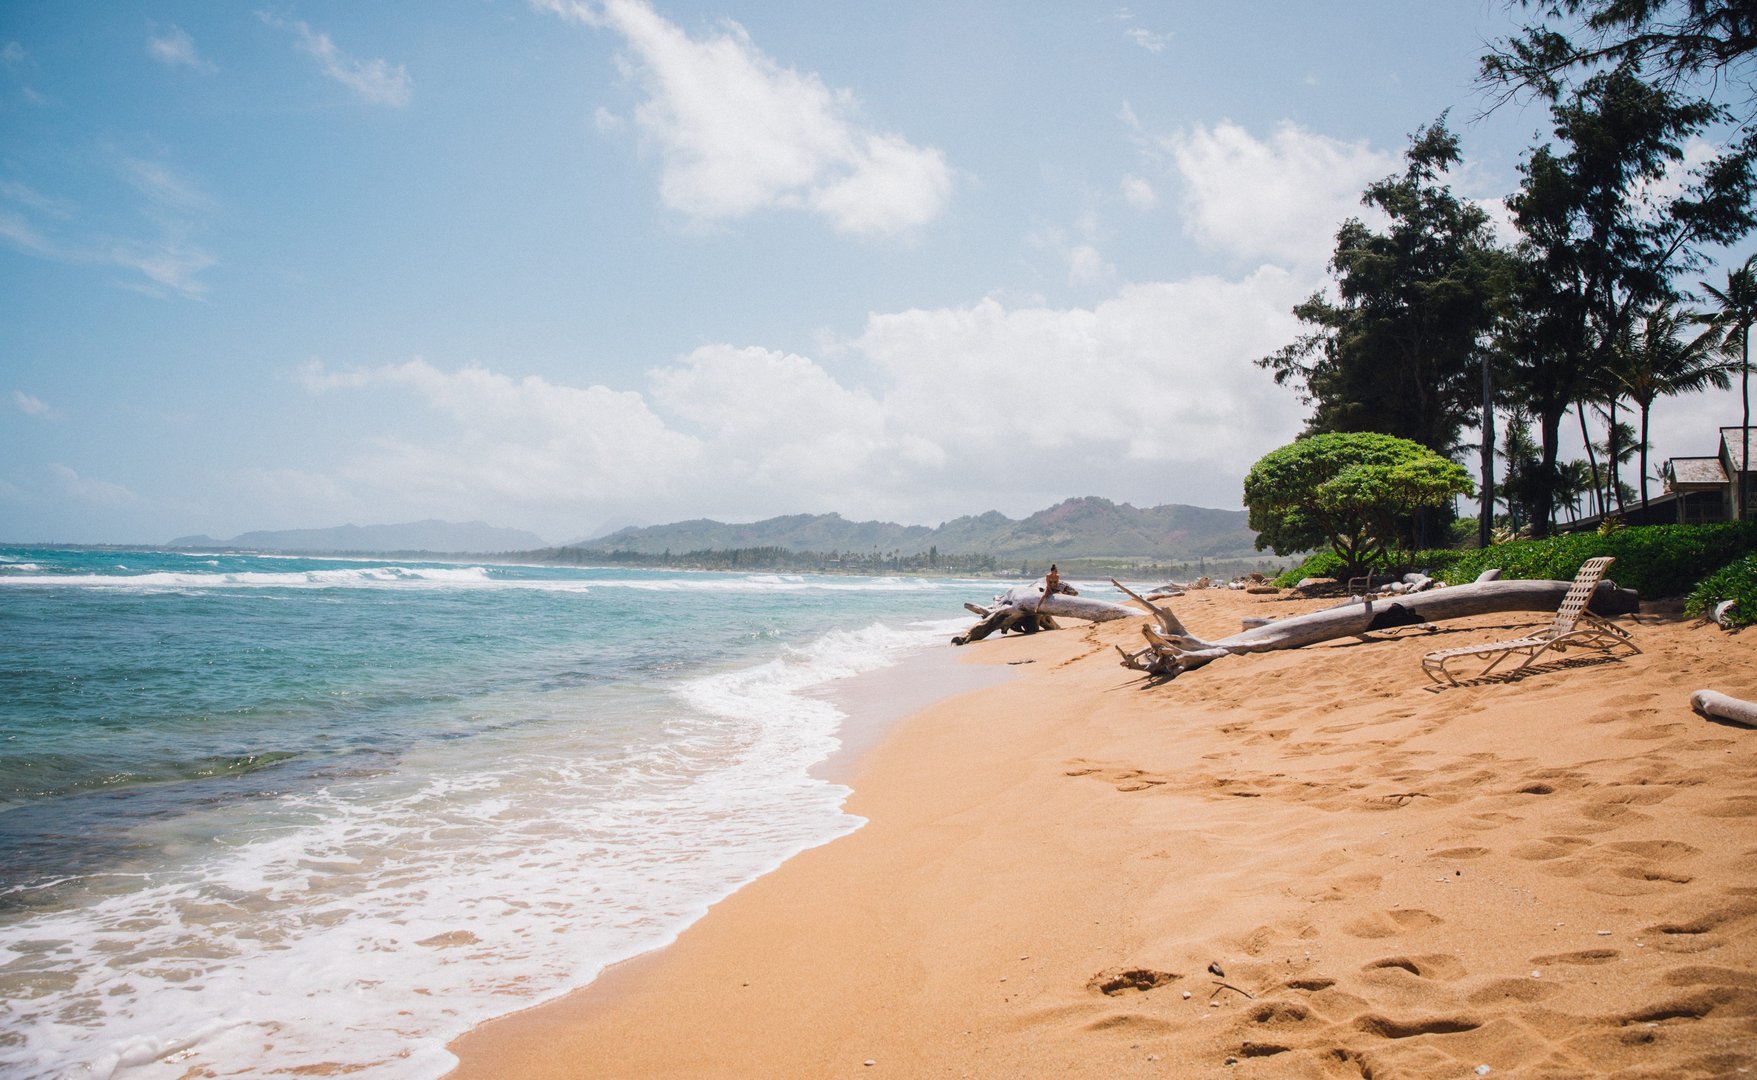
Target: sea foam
364, 924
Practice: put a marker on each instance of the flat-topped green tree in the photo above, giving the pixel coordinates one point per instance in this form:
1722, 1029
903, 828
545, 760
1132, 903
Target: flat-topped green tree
1353, 491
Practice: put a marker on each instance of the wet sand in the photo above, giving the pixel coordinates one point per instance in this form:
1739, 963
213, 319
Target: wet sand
1297, 864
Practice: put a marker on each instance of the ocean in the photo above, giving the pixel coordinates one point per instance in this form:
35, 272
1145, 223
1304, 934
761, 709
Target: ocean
263, 813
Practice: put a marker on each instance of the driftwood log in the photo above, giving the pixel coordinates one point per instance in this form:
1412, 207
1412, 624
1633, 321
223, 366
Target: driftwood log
1172, 650
1719, 706
1026, 609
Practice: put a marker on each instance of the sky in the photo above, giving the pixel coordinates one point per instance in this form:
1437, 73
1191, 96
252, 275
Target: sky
565, 266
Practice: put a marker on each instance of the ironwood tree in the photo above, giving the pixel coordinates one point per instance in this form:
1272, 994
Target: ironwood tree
1396, 350
1608, 219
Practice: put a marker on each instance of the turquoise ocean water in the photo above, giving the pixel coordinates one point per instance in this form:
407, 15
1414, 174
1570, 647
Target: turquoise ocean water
259, 814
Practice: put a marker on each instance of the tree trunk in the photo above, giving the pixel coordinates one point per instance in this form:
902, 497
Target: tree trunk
1549, 434
1598, 500
1172, 650
1646, 409
1745, 428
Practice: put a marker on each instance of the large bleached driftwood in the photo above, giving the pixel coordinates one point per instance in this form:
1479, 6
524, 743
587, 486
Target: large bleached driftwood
1713, 703
1172, 650
1026, 609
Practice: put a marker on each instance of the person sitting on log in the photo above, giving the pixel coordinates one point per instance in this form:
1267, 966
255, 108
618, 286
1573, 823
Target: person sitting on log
1052, 583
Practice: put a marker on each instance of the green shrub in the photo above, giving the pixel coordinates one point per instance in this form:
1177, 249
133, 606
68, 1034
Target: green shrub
1329, 564
1735, 581
1654, 560
1318, 564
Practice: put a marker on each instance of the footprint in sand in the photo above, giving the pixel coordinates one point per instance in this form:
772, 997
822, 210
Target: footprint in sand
1705, 975
1585, 957
1384, 924
1549, 847
1737, 806
1505, 991
1704, 931
1114, 981
1699, 1005
1442, 966
1388, 1028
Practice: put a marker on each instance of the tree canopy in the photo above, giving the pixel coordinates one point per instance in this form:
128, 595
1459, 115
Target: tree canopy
1604, 236
1396, 350
1673, 41
1354, 491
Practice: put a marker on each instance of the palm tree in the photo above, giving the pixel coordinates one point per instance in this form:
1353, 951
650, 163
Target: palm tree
1656, 361
1576, 481
1738, 310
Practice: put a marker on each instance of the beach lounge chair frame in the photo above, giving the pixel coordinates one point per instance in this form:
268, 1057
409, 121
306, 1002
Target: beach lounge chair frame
1574, 627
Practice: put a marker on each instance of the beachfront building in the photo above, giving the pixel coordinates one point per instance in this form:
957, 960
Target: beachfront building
1704, 489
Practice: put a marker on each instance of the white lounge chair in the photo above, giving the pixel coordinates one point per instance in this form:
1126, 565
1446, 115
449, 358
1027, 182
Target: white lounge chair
1573, 628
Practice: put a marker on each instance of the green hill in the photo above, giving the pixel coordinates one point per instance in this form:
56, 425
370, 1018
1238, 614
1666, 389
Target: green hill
1078, 528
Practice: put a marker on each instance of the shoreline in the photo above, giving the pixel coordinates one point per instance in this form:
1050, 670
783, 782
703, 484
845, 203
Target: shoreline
873, 703
1286, 864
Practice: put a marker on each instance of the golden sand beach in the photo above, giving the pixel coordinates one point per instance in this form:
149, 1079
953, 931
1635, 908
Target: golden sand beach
1309, 863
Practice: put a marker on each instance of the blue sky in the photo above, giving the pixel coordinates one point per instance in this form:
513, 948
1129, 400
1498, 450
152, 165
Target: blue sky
555, 265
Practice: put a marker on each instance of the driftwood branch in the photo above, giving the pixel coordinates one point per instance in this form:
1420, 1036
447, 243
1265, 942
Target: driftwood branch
1171, 650
1026, 610
1718, 706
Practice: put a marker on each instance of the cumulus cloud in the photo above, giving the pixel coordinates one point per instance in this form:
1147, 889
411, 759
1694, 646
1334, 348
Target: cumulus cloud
523, 439
175, 48
1149, 395
736, 132
1277, 198
377, 80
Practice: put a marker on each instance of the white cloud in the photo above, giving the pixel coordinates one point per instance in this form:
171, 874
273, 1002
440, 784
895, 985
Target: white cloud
1160, 372
1139, 194
15, 192
1150, 40
173, 267
166, 190
165, 257
176, 48
1086, 265
1149, 396
12, 54
521, 439
1147, 39
97, 492
31, 405
378, 81
1280, 198
736, 132
776, 423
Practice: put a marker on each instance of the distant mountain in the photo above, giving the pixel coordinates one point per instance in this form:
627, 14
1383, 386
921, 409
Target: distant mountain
466, 538
1078, 528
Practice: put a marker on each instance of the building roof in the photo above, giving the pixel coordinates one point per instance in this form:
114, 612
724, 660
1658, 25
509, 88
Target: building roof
1729, 438
1697, 470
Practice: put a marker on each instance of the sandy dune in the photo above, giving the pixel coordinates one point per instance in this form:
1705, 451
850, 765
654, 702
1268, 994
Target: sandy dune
1302, 864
